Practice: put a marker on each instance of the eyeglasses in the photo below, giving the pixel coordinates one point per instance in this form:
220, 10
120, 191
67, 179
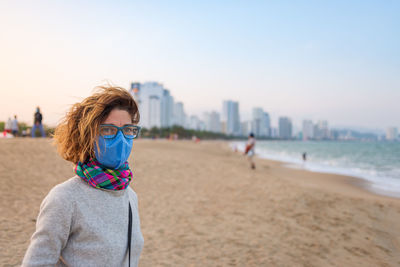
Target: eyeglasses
109, 131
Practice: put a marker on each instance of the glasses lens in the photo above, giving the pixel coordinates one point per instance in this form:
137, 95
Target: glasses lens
131, 131
108, 131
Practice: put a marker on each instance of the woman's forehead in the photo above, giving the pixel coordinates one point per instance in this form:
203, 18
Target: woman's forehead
118, 118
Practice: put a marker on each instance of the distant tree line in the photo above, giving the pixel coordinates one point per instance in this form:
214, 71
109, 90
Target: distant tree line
182, 133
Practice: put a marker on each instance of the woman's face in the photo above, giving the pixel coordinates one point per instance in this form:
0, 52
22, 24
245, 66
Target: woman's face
114, 152
118, 118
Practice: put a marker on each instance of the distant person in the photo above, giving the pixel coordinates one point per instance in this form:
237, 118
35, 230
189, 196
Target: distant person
304, 156
8, 126
14, 126
37, 123
250, 150
92, 218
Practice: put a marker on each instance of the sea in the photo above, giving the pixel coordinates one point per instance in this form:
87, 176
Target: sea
377, 163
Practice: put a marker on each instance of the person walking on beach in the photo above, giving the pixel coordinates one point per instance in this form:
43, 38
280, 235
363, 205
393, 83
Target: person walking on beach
92, 219
14, 126
37, 123
250, 150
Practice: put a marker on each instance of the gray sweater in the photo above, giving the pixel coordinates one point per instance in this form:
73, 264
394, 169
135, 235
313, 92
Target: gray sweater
79, 225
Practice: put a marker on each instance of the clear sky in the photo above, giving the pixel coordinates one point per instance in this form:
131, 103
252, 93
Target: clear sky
334, 60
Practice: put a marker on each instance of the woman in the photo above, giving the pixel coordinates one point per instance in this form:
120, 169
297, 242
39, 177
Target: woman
86, 220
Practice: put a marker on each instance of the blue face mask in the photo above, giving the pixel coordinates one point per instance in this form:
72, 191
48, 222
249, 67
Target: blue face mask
113, 152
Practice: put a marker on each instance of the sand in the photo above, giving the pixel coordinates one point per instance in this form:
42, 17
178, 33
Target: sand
201, 205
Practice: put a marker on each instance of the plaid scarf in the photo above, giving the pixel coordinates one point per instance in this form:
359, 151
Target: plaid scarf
99, 176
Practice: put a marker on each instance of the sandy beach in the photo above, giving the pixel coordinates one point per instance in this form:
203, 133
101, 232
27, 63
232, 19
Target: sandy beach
201, 205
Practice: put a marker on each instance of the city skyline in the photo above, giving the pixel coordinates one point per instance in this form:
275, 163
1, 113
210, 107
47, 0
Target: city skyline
158, 109
318, 61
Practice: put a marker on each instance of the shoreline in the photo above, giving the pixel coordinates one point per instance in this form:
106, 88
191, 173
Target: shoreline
360, 185
360, 181
354, 181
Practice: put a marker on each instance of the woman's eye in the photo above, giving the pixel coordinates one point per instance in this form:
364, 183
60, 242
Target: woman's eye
128, 131
107, 131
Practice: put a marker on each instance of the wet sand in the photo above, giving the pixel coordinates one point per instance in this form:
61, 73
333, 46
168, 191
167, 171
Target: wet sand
201, 205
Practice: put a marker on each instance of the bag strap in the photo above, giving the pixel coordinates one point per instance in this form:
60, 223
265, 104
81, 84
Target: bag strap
129, 233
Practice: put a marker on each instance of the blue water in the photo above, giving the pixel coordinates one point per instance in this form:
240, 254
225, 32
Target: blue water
376, 162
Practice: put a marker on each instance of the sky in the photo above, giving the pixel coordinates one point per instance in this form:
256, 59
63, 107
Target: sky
332, 60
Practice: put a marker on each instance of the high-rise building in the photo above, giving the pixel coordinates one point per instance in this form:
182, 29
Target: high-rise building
179, 115
260, 123
150, 95
167, 109
266, 130
391, 134
230, 115
246, 128
256, 121
321, 130
285, 128
274, 132
195, 123
212, 122
206, 119
308, 130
